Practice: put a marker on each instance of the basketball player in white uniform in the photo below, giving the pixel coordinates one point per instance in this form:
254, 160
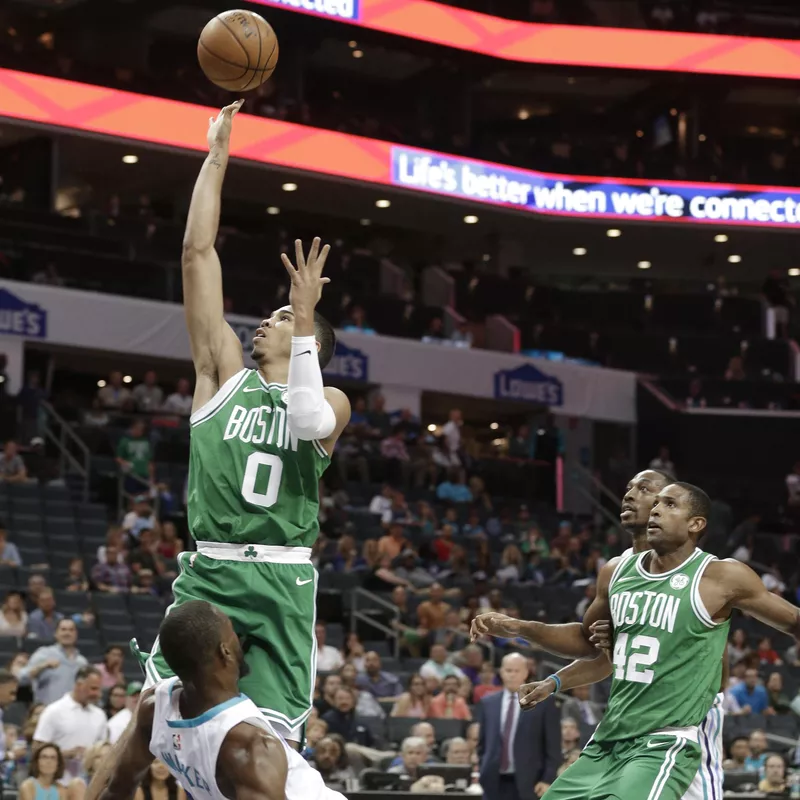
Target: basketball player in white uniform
635, 511
214, 740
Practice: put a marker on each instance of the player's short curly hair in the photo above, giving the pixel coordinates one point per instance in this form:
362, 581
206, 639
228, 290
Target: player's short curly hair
699, 501
324, 334
188, 638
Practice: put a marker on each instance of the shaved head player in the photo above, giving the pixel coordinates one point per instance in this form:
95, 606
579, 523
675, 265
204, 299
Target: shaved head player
215, 741
260, 440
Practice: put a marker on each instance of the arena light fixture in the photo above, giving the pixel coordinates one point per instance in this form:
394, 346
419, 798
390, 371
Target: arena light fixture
101, 383
794, 272
431, 428
273, 210
470, 219
523, 114
721, 238
613, 233
644, 265
358, 54
127, 379
734, 259
352, 44
130, 159
383, 203
579, 251
494, 426
289, 187
640, 134
701, 137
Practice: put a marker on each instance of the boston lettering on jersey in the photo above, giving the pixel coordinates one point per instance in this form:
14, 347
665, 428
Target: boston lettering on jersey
190, 778
262, 425
646, 609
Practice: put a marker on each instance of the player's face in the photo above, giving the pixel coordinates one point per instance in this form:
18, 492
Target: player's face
273, 337
670, 524
639, 498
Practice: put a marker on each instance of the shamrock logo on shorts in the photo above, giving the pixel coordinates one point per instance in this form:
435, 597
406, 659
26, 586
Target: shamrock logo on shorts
250, 552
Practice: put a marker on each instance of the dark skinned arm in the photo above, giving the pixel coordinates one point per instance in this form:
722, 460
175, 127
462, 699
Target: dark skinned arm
254, 763
126, 765
741, 588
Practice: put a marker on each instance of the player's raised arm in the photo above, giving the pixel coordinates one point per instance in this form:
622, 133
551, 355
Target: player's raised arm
254, 764
125, 766
741, 588
314, 411
579, 673
216, 350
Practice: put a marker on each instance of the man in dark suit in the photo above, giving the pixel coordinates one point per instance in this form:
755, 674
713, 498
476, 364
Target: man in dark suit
520, 753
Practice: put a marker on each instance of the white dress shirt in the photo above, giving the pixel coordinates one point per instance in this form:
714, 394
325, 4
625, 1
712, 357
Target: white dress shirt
510, 701
329, 659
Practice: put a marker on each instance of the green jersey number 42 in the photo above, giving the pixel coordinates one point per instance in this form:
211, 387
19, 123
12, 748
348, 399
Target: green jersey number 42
632, 665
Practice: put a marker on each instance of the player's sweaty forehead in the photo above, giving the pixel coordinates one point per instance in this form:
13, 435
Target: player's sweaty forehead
647, 478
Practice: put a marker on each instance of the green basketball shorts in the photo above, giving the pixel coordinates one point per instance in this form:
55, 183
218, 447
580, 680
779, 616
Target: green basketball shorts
656, 767
270, 594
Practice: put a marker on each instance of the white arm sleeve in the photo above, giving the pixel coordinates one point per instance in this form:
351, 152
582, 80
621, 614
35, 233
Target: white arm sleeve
310, 414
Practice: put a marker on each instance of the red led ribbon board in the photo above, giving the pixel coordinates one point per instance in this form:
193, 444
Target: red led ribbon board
572, 45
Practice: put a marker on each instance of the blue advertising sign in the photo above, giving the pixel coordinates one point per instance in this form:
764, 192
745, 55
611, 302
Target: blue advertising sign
601, 198
18, 318
528, 384
348, 363
338, 9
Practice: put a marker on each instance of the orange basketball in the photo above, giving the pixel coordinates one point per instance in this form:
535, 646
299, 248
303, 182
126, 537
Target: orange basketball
238, 50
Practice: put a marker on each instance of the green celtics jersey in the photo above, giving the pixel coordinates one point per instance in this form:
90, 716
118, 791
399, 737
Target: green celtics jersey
667, 650
250, 480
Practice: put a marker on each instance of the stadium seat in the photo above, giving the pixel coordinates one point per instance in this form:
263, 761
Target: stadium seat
376, 726
783, 725
447, 728
751, 722
397, 728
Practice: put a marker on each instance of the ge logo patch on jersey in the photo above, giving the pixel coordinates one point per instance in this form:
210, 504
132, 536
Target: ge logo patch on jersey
679, 581
176, 741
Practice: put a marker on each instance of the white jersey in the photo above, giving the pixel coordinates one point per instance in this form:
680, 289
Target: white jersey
707, 782
190, 747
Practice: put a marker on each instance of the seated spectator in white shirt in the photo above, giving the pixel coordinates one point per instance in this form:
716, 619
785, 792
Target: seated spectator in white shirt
74, 722
140, 517
120, 720
180, 401
12, 467
148, 395
9, 555
437, 666
329, 658
13, 617
114, 394
381, 504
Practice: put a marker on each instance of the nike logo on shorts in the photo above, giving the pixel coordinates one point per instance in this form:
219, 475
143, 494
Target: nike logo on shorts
303, 583
650, 743
255, 389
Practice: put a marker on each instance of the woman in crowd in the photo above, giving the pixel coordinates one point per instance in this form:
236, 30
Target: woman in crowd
416, 701
115, 537
76, 577
347, 558
534, 542
13, 617
31, 721
92, 759
737, 646
366, 703
369, 552
47, 767
169, 545
511, 565
110, 669
354, 651
487, 682
115, 701
159, 785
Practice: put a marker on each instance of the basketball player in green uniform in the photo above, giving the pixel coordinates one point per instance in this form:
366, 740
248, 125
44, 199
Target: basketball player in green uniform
670, 608
260, 440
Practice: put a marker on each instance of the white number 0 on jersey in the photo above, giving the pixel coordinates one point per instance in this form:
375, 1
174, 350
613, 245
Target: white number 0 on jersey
275, 466
643, 653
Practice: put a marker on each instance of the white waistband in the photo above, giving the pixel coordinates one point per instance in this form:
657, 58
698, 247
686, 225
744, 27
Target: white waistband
275, 554
690, 733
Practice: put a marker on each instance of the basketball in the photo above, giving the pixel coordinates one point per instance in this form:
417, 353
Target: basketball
237, 50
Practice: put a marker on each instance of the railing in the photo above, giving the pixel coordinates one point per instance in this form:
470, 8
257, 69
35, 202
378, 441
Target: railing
593, 489
74, 455
361, 615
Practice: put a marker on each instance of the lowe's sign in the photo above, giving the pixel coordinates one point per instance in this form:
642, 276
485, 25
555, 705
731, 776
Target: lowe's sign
348, 364
530, 385
18, 318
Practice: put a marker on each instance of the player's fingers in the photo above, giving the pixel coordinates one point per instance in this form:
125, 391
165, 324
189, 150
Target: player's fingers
324, 280
298, 253
289, 266
323, 257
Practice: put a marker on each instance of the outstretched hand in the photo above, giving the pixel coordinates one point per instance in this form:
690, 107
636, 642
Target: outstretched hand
219, 127
601, 634
306, 276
